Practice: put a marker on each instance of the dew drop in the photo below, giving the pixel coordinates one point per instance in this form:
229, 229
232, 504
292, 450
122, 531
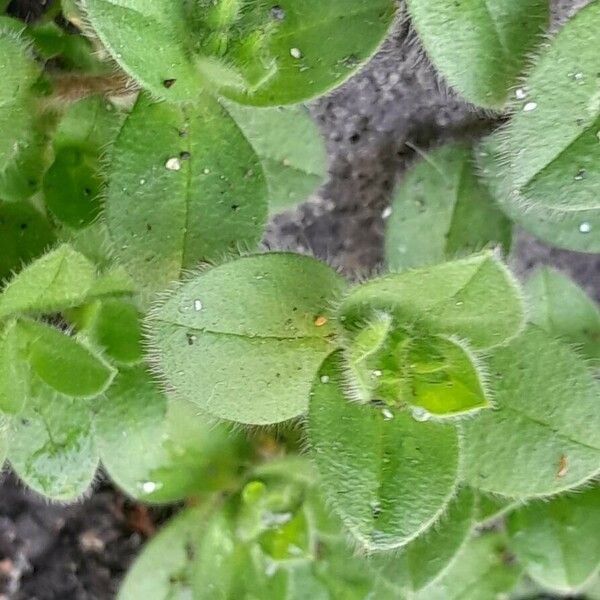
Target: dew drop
206, 171
520, 94
387, 212
324, 378
296, 53
149, 486
197, 305
388, 415
173, 164
585, 227
377, 373
142, 181
420, 414
529, 106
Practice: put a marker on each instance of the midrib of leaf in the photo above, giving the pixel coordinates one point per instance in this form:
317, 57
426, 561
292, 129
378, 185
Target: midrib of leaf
187, 194
496, 28
457, 189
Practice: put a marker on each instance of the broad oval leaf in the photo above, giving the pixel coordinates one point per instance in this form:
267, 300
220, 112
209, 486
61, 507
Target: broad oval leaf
551, 145
161, 450
480, 46
441, 211
544, 436
474, 298
291, 149
58, 280
562, 308
244, 340
557, 541
388, 476
24, 235
14, 371
51, 444
255, 52
184, 186
64, 363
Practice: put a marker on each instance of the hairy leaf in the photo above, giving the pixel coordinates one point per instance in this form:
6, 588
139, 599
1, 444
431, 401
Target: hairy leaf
388, 476
51, 444
64, 363
184, 186
291, 149
14, 371
441, 211
475, 298
544, 436
562, 308
160, 450
243, 340
557, 541
24, 235
480, 46
59, 279
252, 51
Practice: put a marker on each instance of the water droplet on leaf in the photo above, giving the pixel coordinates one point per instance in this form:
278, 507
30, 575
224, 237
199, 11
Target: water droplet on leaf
529, 106
296, 53
173, 164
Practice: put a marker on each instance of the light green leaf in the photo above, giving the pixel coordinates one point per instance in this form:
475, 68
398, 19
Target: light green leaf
291, 149
252, 51
544, 436
550, 145
557, 542
163, 571
493, 506
114, 282
482, 571
475, 298
18, 73
57, 280
480, 46
184, 186
562, 308
388, 476
117, 329
24, 235
51, 446
14, 372
63, 363
441, 211
244, 340
160, 450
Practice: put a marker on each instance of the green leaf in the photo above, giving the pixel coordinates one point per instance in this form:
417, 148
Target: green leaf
163, 571
388, 476
14, 372
425, 559
64, 363
557, 541
24, 235
482, 571
551, 145
244, 340
493, 506
562, 308
574, 230
475, 298
57, 280
51, 446
252, 51
441, 211
160, 450
18, 73
291, 149
545, 423
184, 186
481, 46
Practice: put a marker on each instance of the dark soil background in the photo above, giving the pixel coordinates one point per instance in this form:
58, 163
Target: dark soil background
374, 126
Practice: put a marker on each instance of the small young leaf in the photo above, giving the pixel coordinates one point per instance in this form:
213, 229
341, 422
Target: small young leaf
164, 568
160, 450
441, 211
480, 46
24, 235
552, 159
252, 51
243, 340
557, 541
14, 372
117, 329
475, 298
184, 186
57, 280
388, 476
481, 571
545, 423
51, 445
562, 308
63, 363
291, 149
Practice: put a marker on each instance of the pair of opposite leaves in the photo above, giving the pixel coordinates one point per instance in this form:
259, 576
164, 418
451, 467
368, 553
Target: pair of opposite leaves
259, 356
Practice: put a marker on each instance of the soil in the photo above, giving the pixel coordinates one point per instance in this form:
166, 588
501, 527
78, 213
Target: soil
375, 125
